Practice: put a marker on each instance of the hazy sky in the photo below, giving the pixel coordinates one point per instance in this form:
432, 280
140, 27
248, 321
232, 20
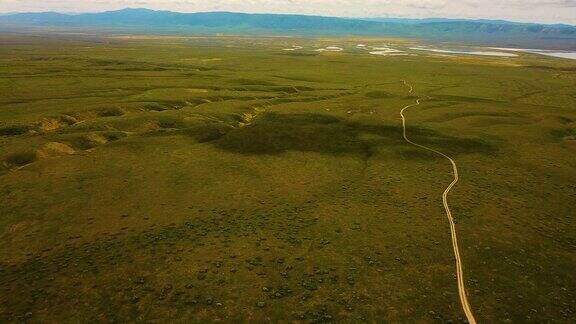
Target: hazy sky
551, 11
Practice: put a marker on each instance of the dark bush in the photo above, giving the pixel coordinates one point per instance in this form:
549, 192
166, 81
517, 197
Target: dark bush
13, 130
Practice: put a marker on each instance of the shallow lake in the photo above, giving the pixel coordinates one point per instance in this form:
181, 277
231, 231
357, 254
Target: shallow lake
561, 54
482, 53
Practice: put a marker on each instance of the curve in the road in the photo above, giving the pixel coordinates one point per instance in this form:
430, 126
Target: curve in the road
459, 271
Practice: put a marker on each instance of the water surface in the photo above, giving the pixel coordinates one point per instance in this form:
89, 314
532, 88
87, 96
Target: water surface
481, 53
560, 54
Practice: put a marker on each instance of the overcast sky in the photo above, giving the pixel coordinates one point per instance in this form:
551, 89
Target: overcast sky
549, 11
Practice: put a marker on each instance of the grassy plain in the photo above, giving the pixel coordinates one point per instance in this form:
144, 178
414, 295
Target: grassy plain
165, 179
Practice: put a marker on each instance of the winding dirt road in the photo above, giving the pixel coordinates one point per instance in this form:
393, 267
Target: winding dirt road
459, 271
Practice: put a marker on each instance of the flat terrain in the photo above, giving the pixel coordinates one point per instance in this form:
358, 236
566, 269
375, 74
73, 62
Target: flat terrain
162, 179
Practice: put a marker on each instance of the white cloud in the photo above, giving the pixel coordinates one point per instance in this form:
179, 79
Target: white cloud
521, 10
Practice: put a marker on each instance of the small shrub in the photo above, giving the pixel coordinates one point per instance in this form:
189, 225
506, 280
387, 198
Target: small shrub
111, 112
13, 130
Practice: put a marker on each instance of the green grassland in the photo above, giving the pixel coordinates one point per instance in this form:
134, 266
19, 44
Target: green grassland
172, 179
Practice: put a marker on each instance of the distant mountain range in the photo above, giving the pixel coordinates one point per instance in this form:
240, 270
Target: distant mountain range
150, 21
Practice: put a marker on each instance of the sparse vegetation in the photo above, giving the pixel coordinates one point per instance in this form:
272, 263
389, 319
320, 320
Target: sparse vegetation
144, 180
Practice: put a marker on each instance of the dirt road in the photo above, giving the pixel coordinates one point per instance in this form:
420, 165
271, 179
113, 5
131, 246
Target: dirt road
459, 271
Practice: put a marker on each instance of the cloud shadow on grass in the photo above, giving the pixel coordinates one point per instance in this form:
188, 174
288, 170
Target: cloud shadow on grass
275, 133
